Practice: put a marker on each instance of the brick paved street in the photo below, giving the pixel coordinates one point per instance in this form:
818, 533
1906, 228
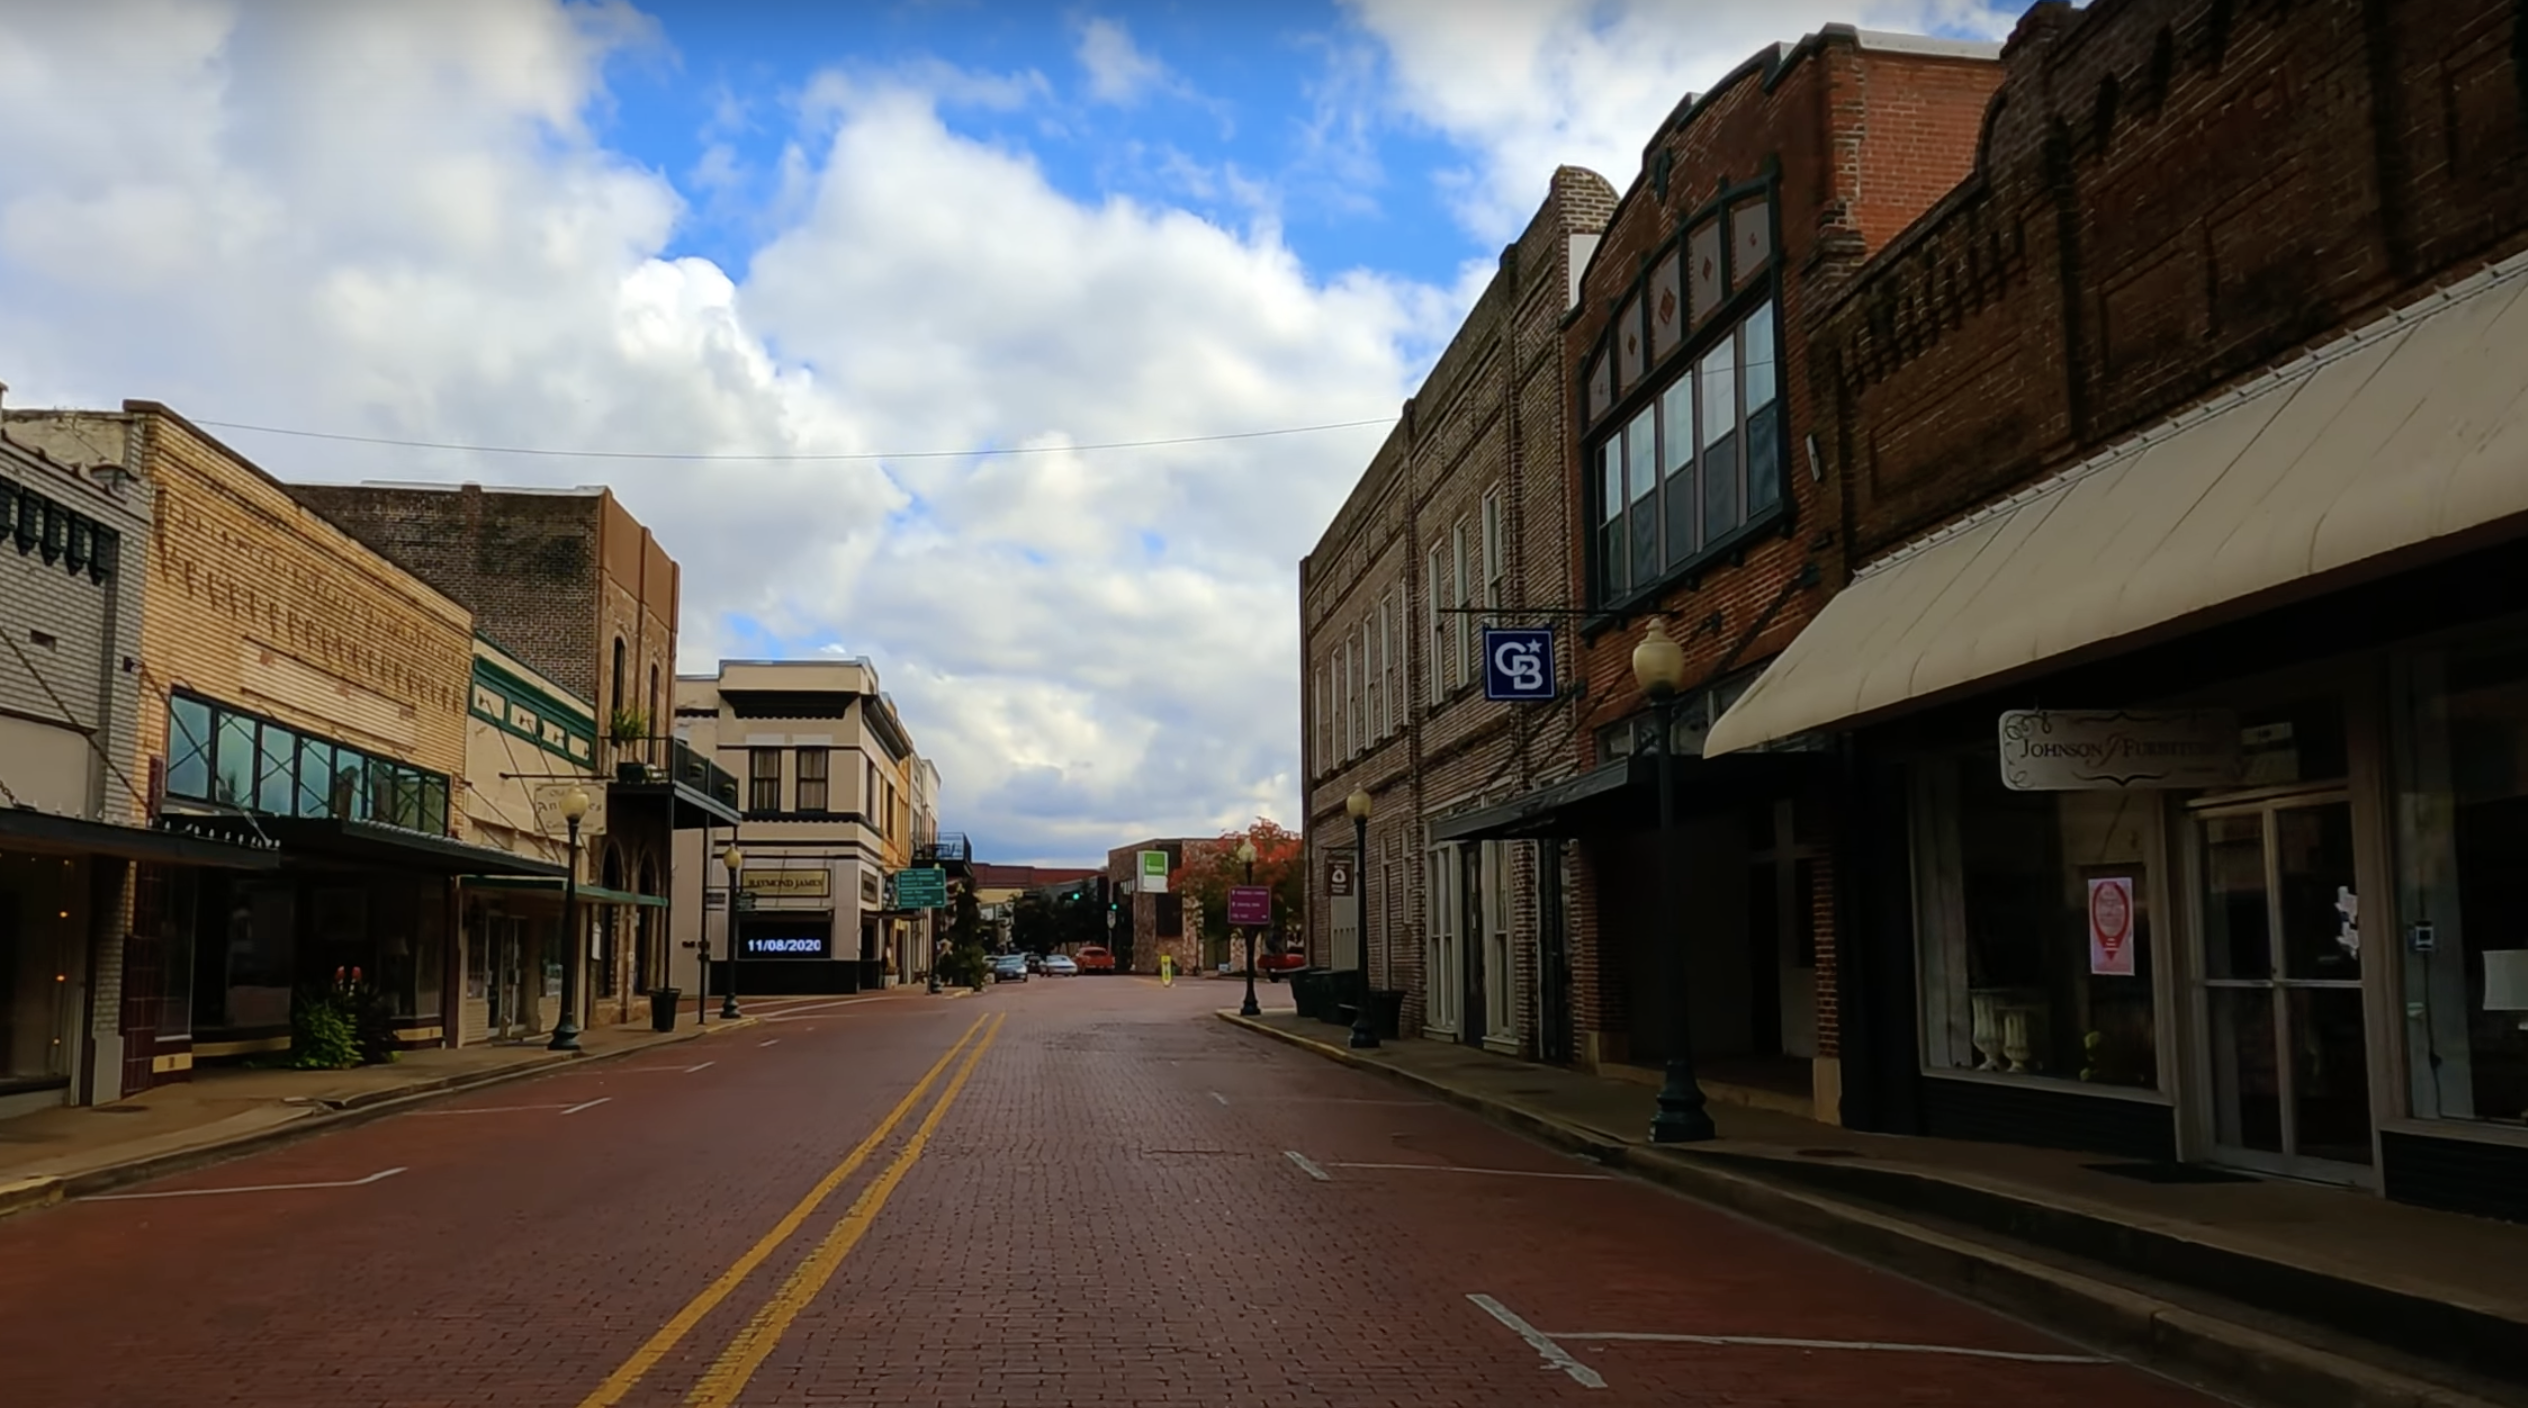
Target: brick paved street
1124, 1202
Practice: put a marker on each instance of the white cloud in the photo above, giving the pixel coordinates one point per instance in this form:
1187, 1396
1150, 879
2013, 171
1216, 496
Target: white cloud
1118, 71
1526, 85
395, 220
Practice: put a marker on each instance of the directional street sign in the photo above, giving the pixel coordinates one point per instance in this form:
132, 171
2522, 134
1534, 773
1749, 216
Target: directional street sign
1250, 905
926, 888
1518, 664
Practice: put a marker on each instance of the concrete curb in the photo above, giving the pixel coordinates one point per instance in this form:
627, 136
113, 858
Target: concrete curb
2184, 1343
47, 1189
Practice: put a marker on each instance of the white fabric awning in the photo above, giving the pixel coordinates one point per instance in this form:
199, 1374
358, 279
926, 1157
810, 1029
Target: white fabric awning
2410, 431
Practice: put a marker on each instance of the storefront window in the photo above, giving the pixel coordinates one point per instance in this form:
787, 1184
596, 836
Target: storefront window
2033, 925
2461, 726
243, 966
38, 922
217, 755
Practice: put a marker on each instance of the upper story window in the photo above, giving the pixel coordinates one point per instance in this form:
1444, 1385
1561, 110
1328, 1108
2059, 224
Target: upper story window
1685, 451
224, 757
763, 779
812, 796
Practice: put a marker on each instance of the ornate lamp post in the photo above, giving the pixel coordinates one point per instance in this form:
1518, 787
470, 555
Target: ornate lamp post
1364, 1029
1659, 668
1246, 857
566, 1031
735, 860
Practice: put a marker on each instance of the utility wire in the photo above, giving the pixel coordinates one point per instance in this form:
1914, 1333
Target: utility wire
790, 459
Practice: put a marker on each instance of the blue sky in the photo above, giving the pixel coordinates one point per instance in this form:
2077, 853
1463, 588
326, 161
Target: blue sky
1257, 112
788, 243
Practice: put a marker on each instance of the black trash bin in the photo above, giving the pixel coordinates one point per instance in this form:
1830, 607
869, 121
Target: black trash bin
1386, 1012
663, 1009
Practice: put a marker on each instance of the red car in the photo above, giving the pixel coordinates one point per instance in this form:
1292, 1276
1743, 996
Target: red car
1275, 965
1093, 959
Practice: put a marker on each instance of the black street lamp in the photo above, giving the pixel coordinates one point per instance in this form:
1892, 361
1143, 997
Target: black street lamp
1659, 668
1364, 1028
1246, 857
566, 1031
735, 860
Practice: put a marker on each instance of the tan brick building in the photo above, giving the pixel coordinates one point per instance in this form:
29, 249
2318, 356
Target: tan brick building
569, 585
1461, 514
300, 691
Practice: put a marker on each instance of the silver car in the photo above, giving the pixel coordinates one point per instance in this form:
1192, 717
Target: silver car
1059, 965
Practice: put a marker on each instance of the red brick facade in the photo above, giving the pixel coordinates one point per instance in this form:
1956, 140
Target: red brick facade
1798, 165
2170, 195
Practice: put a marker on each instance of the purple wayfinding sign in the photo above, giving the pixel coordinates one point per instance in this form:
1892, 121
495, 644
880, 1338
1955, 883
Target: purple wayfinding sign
1250, 904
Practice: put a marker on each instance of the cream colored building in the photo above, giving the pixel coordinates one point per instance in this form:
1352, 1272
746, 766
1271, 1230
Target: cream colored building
835, 804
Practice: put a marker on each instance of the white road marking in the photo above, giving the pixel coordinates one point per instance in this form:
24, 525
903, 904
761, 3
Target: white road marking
1308, 1165
1767, 1341
776, 1041
1223, 1099
250, 1188
1453, 1168
1556, 1357
587, 1104
489, 1110
689, 1070
801, 1014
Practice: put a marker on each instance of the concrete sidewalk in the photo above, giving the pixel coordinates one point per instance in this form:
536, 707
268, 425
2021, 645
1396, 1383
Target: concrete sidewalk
225, 1111
2219, 1281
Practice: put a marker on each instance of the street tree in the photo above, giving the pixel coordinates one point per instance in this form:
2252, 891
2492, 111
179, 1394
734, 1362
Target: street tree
1207, 873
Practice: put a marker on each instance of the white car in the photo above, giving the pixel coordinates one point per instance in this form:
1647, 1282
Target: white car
1059, 965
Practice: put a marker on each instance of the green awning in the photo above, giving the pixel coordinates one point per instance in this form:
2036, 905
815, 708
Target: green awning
543, 885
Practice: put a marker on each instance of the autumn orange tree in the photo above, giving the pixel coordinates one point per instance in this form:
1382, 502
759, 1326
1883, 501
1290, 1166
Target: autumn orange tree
1210, 868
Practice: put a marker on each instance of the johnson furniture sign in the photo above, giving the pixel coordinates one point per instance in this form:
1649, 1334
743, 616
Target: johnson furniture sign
2115, 751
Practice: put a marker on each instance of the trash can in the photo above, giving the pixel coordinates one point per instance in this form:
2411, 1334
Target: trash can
1386, 1012
663, 1009
1307, 991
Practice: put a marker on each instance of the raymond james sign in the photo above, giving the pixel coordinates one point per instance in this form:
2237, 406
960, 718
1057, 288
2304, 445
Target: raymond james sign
2116, 751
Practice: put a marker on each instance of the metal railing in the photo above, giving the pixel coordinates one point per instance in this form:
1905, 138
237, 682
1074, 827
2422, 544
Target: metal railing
686, 766
948, 848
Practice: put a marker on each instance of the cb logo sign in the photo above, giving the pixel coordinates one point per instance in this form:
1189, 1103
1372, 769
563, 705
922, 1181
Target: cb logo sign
1518, 665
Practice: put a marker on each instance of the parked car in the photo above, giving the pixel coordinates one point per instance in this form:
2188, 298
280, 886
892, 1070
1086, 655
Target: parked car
1035, 963
1275, 965
1059, 966
1008, 966
1093, 959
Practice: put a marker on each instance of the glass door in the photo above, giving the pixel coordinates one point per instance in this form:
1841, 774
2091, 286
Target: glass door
2279, 977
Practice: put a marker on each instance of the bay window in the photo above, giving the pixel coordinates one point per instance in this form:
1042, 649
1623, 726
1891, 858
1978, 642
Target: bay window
1694, 465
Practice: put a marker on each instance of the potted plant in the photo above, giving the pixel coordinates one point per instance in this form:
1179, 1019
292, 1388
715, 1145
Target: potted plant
627, 729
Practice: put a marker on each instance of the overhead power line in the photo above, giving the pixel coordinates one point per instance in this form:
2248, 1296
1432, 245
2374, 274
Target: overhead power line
789, 459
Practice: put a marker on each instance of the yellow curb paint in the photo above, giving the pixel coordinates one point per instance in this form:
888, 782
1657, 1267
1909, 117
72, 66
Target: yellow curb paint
729, 1374
622, 1380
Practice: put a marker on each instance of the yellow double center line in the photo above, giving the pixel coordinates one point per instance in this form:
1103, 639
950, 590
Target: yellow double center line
728, 1375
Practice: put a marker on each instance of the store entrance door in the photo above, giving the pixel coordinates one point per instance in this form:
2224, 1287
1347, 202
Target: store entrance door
507, 986
2278, 984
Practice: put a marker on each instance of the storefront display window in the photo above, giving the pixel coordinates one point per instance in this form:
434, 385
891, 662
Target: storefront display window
38, 920
2033, 926
2461, 731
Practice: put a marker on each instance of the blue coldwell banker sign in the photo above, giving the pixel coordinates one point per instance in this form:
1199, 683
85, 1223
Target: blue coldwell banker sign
1518, 665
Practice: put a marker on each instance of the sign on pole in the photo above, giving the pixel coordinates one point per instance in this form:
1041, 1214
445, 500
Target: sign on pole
1153, 873
1518, 664
1338, 876
926, 888
2118, 750
1250, 905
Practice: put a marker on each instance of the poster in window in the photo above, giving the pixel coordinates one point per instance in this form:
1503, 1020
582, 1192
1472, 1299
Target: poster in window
1628, 348
1750, 241
2111, 926
1702, 256
1667, 306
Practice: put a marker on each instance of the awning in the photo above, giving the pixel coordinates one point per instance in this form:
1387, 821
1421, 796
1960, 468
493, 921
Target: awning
547, 885
2402, 443
371, 843
1623, 795
28, 830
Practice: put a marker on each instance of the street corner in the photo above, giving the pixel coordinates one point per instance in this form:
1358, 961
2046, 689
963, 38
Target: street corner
24, 1194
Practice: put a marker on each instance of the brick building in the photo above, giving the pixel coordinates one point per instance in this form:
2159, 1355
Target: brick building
76, 825
1461, 519
567, 583
2183, 681
1148, 920
295, 690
